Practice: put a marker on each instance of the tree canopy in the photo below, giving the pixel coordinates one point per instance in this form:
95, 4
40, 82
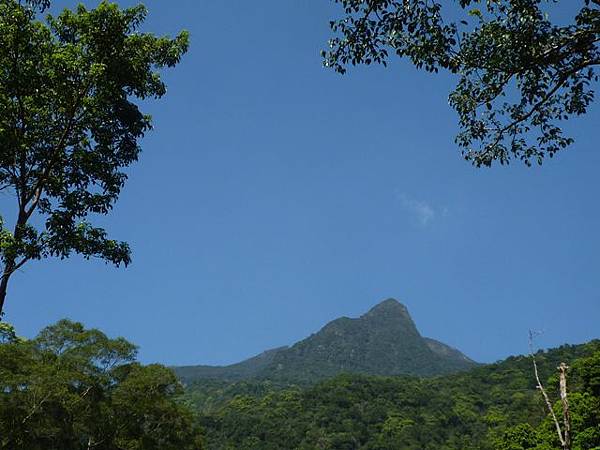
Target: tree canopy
69, 124
520, 73
74, 388
492, 407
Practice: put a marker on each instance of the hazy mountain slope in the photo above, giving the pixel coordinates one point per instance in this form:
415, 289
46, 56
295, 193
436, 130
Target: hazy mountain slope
453, 358
249, 368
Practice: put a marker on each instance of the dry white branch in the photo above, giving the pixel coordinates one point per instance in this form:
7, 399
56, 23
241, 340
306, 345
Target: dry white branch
565, 404
540, 386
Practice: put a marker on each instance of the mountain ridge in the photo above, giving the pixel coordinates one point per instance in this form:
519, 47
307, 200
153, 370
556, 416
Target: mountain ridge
383, 341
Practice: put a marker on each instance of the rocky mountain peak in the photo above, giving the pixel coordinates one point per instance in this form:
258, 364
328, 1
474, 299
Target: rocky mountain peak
389, 307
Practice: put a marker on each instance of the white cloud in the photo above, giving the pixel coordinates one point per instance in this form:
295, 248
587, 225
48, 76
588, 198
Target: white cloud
423, 211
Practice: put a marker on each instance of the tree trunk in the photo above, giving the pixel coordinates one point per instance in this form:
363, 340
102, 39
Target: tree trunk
565, 404
8, 269
563, 437
10, 264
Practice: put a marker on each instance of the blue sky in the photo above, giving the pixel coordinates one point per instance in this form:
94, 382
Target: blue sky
275, 195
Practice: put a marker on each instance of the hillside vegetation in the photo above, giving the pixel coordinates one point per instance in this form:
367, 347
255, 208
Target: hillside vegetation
384, 341
495, 406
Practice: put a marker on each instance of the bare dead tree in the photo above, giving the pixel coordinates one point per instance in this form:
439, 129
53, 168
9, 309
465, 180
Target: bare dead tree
563, 368
564, 431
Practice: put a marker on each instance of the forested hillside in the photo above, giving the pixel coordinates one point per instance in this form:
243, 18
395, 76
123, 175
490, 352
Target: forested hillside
490, 407
384, 341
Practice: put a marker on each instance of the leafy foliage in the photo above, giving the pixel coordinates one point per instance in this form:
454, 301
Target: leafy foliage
74, 388
490, 407
8, 333
584, 407
69, 125
520, 74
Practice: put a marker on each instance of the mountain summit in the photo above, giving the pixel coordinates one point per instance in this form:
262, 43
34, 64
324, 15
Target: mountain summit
391, 306
384, 341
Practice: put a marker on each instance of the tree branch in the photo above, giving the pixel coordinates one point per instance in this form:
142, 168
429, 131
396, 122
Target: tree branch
35, 408
561, 81
61, 144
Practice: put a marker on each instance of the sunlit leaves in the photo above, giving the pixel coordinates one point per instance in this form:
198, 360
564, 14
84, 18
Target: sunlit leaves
520, 75
74, 388
69, 121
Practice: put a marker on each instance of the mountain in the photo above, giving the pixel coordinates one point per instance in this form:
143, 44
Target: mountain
384, 341
247, 369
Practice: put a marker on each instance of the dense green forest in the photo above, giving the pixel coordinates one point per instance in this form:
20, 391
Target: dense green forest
76, 388
495, 406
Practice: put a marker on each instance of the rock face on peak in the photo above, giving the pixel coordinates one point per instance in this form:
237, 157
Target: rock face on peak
389, 307
384, 341
390, 314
